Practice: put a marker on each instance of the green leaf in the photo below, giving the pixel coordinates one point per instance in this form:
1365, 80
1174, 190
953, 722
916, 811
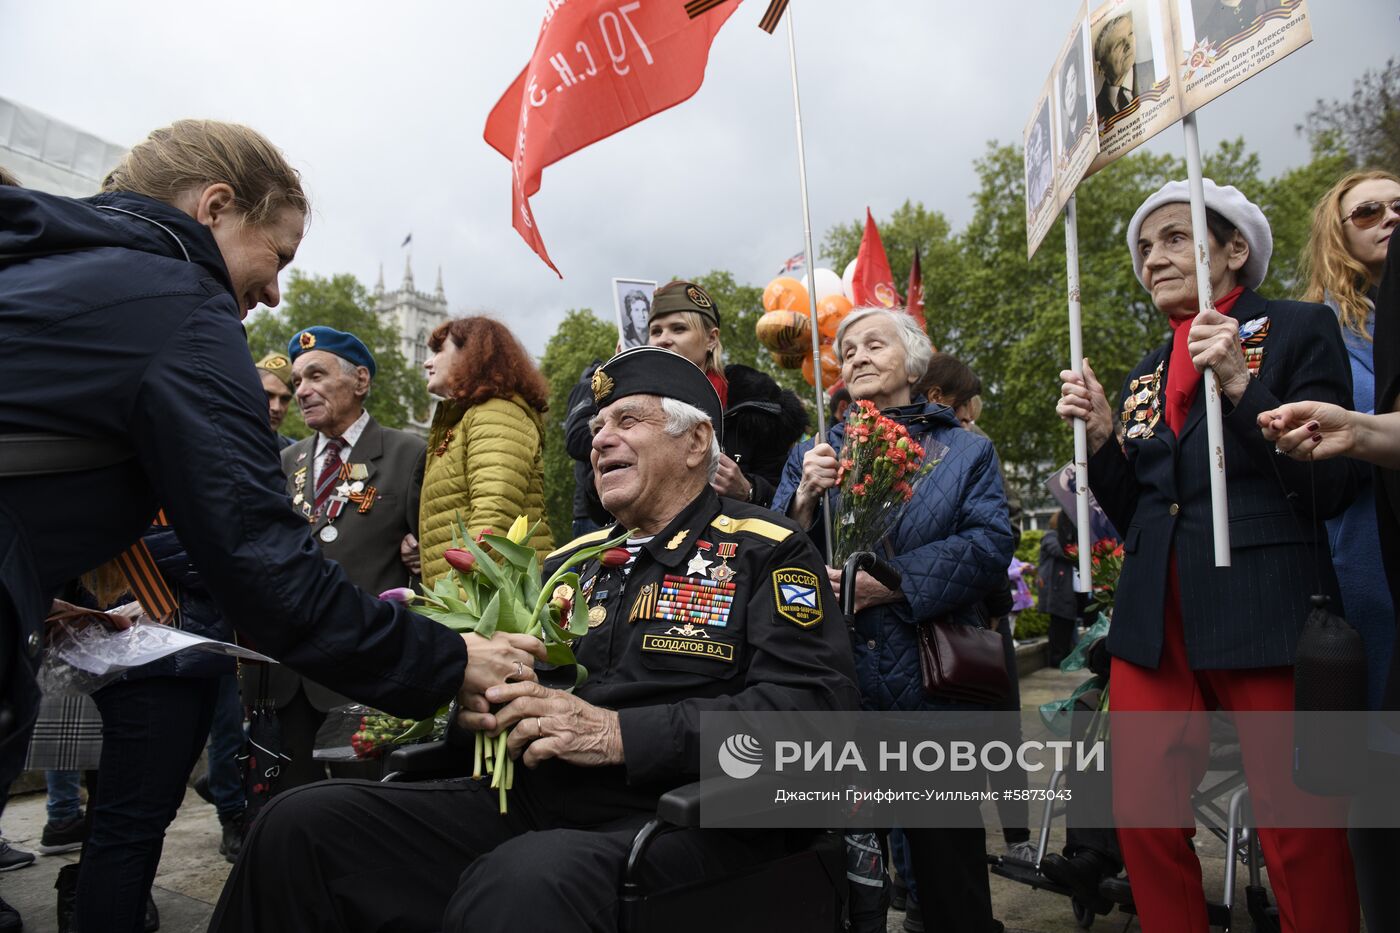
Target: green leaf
459, 621
512, 618
486, 565
578, 621
418, 730
490, 617
517, 555
560, 654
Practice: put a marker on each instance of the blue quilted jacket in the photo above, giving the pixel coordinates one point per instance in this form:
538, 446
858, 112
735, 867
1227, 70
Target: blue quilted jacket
952, 545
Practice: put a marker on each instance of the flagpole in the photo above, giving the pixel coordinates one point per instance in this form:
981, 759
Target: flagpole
1081, 432
1215, 427
811, 272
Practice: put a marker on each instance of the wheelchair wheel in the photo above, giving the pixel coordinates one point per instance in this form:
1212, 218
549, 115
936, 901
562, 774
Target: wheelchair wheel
1083, 913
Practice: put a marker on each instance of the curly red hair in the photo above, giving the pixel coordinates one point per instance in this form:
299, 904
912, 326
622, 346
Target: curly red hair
491, 364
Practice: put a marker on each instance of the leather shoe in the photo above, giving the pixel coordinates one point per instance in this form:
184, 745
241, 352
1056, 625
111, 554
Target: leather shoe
1080, 872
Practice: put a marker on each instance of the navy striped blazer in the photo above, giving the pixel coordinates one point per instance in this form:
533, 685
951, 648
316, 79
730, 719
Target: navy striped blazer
1155, 488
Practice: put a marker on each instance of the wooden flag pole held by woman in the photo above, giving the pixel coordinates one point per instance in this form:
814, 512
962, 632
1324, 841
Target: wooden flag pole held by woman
1081, 430
1215, 428
811, 265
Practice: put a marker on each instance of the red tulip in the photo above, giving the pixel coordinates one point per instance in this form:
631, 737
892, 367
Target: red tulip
460, 559
614, 557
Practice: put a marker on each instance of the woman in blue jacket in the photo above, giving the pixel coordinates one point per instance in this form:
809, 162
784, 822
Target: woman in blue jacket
951, 546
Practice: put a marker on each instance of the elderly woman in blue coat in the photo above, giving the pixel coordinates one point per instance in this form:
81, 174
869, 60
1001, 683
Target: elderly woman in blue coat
951, 545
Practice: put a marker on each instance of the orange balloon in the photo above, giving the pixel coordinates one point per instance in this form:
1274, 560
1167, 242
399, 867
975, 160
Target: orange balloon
831, 370
788, 360
785, 294
831, 311
784, 331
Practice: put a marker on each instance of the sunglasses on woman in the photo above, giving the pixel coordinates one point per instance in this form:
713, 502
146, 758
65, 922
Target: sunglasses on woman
1369, 213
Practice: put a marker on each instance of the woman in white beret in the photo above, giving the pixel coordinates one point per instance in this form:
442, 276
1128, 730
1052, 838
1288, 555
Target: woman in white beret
1188, 635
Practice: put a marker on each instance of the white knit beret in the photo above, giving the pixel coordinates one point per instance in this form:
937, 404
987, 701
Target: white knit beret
1228, 202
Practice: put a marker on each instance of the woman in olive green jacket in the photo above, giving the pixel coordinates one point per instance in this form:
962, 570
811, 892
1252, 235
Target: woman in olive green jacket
486, 444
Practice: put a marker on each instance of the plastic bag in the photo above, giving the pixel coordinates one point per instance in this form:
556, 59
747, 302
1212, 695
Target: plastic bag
87, 650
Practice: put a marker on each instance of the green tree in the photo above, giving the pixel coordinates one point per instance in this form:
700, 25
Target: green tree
911, 225
400, 392
1367, 125
581, 338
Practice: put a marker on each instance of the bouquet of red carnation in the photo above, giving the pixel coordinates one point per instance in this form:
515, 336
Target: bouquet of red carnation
1106, 558
376, 733
880, 467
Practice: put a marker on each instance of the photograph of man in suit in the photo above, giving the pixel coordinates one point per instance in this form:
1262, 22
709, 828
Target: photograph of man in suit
1123, 77
329, 478
1074, 109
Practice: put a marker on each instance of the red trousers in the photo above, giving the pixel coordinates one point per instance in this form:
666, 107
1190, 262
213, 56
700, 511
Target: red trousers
1310, 870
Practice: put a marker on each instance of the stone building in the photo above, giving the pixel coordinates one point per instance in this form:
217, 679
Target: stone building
414, 315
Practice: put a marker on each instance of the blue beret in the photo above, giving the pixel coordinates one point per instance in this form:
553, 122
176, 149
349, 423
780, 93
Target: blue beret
346, 346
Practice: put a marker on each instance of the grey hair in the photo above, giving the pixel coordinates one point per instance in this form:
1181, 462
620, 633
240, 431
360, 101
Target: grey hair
918, 349
682, 417
350, 369
1101, 42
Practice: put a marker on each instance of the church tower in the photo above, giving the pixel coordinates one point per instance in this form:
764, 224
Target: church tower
414, 314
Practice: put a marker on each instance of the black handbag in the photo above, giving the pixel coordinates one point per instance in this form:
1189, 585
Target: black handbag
962, 661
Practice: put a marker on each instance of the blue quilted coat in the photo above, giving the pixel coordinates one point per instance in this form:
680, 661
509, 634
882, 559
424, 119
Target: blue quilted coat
952, 544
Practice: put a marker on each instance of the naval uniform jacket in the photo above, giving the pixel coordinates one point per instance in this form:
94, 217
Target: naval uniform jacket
118, 323
676, 636
1155, 488
366, 543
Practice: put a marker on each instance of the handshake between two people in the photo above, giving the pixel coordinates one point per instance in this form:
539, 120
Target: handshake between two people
500, 691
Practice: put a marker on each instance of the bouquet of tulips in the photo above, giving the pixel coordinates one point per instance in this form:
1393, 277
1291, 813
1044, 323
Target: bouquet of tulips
487, 594
879, 468
1106, 558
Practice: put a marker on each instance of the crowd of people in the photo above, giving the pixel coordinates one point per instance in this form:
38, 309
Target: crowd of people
712, 473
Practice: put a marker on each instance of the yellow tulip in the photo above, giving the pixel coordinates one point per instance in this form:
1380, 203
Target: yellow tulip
518, 530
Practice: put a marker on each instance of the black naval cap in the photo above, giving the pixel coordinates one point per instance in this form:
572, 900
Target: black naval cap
683, 296
654, 371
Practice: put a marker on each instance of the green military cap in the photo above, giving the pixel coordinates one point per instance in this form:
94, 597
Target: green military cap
278, 365
654, 371
683, 296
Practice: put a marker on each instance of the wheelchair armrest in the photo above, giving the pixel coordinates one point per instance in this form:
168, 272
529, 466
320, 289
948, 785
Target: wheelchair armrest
681, 807
428, 761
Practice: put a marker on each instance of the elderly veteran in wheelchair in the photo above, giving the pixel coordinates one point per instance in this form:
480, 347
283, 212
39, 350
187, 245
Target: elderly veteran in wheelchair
361, 856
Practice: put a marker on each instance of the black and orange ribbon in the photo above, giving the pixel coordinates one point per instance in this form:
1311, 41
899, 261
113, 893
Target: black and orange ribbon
143, 576
771, 16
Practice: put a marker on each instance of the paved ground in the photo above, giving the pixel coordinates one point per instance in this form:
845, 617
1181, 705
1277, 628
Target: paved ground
192, 872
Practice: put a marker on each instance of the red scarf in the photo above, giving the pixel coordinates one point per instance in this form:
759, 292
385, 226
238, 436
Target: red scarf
1183, 378
722, 387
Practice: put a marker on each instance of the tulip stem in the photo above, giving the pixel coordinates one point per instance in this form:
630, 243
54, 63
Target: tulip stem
476, 756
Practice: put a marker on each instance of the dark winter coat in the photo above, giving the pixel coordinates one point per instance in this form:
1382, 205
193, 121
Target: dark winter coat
118, 324
952, 546
198, 613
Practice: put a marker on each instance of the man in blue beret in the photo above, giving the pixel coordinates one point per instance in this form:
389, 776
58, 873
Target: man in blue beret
357, 484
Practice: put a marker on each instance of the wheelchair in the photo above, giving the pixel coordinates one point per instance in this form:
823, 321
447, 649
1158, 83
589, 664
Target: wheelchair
1230, 823
758, 899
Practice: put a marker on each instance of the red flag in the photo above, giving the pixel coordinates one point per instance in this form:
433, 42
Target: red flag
873, 283
915, 301
599, 66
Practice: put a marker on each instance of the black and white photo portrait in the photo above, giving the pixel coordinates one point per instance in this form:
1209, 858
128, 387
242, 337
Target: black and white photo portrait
632, 298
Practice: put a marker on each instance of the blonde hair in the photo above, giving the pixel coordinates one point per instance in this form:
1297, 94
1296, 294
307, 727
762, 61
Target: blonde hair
6, 178
193, 154
714, 359
1328, 267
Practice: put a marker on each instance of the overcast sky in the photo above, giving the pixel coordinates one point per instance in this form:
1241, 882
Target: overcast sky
382, 107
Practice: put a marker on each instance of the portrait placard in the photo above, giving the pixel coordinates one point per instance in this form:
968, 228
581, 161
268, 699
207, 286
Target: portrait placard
1040, 172
1076, 128
632, 298
1135, 84
1221, 44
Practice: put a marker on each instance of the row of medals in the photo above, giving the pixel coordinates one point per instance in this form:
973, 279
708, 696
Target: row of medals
1142, 409
720, 573
355, 484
